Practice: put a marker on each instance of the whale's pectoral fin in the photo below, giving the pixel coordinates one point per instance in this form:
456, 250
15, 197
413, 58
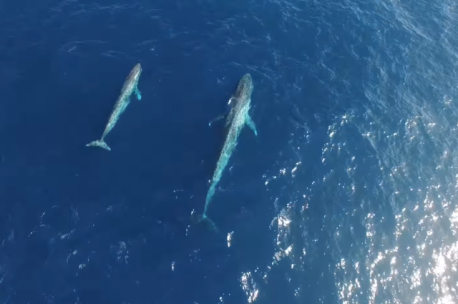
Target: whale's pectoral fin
226, 115
251, 124
138, 94
217, 118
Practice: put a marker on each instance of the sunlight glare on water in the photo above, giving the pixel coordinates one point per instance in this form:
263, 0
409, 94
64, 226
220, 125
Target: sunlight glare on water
389, 177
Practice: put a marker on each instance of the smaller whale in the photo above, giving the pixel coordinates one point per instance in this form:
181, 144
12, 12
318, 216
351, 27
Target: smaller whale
240, 103
130, 86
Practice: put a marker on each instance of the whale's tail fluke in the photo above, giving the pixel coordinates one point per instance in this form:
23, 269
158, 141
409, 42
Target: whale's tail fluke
99, 143
203, 218
210, 223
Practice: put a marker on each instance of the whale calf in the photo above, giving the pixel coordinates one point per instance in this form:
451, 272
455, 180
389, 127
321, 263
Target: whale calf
240, 103
130, 86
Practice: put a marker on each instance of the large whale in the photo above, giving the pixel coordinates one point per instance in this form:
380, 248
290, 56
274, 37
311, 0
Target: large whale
240, 103
130, 86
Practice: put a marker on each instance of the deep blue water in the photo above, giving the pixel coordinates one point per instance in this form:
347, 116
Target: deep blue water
347, 195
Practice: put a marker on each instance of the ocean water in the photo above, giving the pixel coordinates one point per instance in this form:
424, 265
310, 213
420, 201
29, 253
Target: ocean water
347, 195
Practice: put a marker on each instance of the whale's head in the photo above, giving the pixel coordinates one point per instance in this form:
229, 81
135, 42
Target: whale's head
136, 71
244, 88
247, 84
